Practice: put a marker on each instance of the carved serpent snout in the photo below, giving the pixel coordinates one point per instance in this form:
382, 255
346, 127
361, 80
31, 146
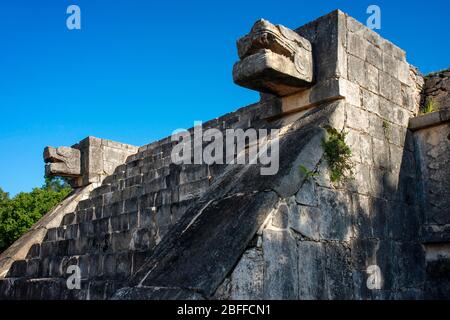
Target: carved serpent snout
62, 161
274, 59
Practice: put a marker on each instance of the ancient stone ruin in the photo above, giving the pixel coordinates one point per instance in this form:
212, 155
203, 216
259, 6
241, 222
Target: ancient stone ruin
139, 226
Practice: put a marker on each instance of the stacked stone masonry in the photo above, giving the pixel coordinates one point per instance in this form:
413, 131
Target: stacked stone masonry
327, 232
110, 234
156, 230
432, 149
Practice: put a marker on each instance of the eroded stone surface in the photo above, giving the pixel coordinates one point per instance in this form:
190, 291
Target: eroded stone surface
436, 89
63, 162
248, 277
274, 59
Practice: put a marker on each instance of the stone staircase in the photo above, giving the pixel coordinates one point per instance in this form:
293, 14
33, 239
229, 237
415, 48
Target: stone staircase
110, 234
155, 230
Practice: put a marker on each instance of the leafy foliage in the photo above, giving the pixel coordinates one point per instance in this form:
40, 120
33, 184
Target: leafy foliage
308, 174
429, 107
387, 130
337, 154
56, 184
19, 214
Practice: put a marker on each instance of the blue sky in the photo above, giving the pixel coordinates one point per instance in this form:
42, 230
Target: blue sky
137, 70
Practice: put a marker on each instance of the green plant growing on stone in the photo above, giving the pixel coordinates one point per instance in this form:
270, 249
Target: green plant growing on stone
429, 107
308, 174
387, 130
337, 153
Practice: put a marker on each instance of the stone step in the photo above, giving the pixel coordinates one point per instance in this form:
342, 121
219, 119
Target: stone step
56, 289
165, 145
150, 182
156, 220
116, 242
121, 222
150, 170
117, 206
119, 190
109, 242
93, 266
162, 146
153, 215
192, 190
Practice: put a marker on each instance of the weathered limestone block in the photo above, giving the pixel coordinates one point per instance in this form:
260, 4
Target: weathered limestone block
307, 194
432, 146
62, 161
357, 45
247, 278
305, 220
311, 265
280, 270
324, 270
338, 271
280, 219
274, 59
335, 215
309, 158
350, 91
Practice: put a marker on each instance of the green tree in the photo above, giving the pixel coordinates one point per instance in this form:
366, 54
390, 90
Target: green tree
19, 214
4, 196
56, 184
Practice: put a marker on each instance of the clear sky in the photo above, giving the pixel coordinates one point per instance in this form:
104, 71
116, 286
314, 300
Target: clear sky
137, 70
